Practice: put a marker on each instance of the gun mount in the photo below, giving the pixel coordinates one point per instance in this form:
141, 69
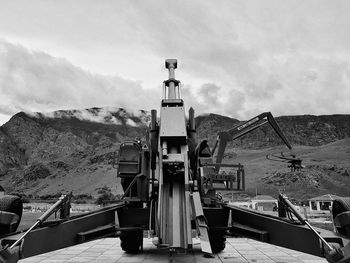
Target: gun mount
170, 184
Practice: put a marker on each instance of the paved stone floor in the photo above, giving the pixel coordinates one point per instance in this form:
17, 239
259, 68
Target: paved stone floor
237, 250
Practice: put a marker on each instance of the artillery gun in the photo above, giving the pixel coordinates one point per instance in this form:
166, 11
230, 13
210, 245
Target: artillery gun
170, 185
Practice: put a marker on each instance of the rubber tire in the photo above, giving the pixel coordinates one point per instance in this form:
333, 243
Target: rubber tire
12, 204
130, 241
339, 206
217, 241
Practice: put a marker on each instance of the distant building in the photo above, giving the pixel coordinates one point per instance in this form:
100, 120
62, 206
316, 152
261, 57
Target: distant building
322, 203
264, 203
246, 204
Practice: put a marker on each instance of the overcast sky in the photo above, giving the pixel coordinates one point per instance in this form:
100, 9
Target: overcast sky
237, 58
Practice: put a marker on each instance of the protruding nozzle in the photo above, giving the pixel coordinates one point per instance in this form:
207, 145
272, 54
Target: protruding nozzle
171, 63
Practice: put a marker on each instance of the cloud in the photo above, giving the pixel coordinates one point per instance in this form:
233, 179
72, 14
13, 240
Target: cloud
237, 58
210, 93
106, 115
271, 58
35, 81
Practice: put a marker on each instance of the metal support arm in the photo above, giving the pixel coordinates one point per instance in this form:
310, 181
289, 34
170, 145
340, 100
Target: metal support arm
244, 128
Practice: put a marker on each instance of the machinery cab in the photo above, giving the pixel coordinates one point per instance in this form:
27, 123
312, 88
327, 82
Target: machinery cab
129, 162
133, 169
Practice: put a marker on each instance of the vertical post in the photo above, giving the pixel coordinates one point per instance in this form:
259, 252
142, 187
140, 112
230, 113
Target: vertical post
239, 174
243, 179
318, 207
191, 125
305, 213
281, 210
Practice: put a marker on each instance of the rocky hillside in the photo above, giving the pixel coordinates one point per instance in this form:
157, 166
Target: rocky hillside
66, 150
74, 150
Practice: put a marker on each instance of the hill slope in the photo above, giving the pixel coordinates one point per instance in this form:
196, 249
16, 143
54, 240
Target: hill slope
327, 170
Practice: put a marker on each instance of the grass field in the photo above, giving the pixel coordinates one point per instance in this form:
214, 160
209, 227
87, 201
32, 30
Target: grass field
29, 218
327, 166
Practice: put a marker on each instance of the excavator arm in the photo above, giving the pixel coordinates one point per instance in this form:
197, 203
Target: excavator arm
238, 131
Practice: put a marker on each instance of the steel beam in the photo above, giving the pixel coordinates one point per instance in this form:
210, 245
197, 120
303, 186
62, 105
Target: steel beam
64, 234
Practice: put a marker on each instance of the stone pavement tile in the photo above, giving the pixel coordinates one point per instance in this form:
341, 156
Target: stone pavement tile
230, 253
275, 254
227, 254
200, 258
33, 259
183, 260
237, 250
98, 260
113, 251
110, 241
91, 254
67, 252
268, 249
255, 256
99, 248
61, 257
53, 261
156, 257
74, 248
207, 260
153, 261
81, 259
247, 252
265, 246
130, 260
104, 247
307, 257
240, 240
235, 258
286, 259
96, 241
229, 248
244, 248
262, 261
49, 254
110, 257
314, 260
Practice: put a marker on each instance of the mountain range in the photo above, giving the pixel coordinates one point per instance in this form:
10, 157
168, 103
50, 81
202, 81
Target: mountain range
45, 154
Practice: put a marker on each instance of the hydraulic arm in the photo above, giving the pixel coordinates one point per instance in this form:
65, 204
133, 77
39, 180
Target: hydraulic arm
238, 131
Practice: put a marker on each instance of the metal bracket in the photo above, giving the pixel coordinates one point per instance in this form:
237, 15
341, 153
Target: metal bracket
201, 223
